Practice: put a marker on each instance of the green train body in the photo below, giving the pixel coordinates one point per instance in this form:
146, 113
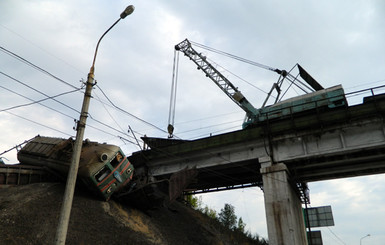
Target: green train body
103, 168
325, 98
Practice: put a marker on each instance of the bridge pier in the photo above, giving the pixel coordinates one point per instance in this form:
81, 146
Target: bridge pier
285, 223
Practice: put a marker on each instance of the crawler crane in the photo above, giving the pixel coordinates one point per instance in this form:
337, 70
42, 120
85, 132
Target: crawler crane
316, 95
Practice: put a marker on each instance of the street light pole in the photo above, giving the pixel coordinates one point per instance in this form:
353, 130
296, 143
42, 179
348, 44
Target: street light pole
61, 232
363, 238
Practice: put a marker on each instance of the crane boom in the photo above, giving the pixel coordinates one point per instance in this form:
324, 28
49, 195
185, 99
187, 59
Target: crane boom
218, 78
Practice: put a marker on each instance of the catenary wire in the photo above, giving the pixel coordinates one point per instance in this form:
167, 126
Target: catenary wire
18, 57
88, 125
38, 91
40, 124
37, 101
128, 113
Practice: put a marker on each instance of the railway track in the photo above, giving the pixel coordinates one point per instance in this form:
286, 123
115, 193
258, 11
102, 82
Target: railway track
19, 174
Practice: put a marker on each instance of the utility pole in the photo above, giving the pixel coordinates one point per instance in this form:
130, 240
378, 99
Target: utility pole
61, 232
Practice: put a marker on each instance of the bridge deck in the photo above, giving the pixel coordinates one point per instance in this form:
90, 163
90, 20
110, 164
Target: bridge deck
315, 145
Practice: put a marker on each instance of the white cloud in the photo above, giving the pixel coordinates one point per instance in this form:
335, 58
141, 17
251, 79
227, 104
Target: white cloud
338, 43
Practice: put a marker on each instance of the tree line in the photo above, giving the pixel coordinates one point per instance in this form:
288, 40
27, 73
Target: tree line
227, 218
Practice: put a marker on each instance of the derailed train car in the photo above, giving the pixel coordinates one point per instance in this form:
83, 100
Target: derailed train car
103, 168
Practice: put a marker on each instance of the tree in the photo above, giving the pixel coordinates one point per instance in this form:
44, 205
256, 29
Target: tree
194, 202
227, 216
210, 212
241, 225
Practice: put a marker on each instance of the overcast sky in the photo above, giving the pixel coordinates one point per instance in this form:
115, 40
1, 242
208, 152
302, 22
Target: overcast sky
337, 42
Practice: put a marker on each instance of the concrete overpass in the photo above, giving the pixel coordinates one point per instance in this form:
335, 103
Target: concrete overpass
279, 156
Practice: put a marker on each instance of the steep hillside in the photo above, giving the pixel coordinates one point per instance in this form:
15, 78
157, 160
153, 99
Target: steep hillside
29, 215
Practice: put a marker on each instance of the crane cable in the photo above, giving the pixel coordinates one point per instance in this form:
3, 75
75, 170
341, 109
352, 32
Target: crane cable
281, 72
171, 113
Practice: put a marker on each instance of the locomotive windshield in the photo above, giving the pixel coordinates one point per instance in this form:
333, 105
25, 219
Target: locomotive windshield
117, 159
103, 173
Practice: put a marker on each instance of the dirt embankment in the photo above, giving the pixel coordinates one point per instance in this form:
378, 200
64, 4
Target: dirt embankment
29, 215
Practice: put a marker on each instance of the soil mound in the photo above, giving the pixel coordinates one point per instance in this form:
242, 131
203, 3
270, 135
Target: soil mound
29, 214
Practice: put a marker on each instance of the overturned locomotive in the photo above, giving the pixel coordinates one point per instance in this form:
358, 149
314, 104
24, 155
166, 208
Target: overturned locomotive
105, 170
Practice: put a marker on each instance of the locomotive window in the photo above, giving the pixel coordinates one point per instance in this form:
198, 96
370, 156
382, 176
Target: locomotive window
102, 173
117, 159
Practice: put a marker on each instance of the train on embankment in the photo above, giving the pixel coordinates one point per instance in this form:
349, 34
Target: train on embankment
103, 168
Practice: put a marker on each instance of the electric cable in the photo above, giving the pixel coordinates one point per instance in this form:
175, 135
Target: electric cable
210, 126
37, 101
40, 124
25, 39
25, 97
108, 112
128, 113
38, 91
18, 57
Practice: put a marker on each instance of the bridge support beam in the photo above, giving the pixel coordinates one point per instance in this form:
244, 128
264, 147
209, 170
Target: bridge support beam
285, 223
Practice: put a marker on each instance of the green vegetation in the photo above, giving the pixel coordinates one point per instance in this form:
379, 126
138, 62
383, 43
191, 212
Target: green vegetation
228, 219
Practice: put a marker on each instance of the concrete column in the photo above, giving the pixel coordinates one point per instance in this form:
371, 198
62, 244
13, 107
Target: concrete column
285, 223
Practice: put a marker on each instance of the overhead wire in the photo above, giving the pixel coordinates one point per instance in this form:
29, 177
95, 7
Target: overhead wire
40, 124
49, 97
18, 57
25, 97
37, 101
108, 112
38, 91
210, 126
128, 113
62, 113
44, 50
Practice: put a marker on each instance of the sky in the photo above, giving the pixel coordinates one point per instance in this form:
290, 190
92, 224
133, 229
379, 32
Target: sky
47, 49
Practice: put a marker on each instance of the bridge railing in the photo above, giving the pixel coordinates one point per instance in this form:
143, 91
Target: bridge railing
358, 97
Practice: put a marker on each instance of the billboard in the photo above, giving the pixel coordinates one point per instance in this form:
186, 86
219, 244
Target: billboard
319, 216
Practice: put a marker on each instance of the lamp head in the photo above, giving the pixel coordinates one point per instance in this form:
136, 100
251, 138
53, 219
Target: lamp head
127, 11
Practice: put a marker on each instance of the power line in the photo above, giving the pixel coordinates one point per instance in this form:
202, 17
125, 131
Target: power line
17, 34
37, 101
16, 80
130, 114
40, 124
18, 57
25, 97
210, 126
38, 91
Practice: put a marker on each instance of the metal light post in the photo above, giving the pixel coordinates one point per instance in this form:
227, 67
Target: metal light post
61, 232
363, 238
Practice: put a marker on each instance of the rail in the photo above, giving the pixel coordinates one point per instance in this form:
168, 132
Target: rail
19, 174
